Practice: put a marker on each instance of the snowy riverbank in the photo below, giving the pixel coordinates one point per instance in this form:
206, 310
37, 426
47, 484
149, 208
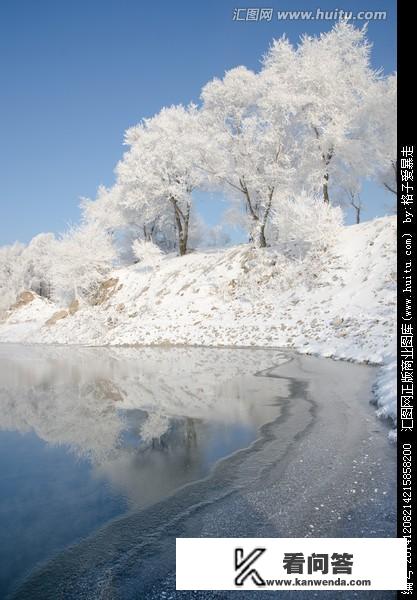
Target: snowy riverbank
338, 303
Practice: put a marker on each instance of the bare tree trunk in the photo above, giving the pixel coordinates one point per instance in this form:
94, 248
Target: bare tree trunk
262, 237
259, 238
44, 289
182, 245
388, 187
357, 205
358, 214
326, 157
148, 232
257, 235
326, 197
182, 221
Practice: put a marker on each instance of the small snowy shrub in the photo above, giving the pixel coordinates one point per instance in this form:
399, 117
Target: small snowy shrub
307, 219
148, 253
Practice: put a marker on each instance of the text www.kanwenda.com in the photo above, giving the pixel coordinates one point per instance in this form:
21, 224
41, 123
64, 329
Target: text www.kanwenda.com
317, 582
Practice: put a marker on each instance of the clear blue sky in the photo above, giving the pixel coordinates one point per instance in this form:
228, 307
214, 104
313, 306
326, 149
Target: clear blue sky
75, 74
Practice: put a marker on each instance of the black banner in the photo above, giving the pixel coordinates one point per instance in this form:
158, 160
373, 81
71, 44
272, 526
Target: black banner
406, 293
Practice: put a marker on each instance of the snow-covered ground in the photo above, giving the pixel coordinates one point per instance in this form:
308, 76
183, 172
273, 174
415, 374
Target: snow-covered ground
338, 303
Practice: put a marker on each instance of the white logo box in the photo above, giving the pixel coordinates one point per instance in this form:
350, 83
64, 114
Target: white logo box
257, 563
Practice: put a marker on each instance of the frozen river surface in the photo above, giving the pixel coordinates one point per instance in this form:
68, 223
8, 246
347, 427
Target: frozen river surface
108, 454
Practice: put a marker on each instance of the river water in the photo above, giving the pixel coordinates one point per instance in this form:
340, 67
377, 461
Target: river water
107, 454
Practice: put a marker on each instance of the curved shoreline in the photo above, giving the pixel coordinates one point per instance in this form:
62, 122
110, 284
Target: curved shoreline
113, 558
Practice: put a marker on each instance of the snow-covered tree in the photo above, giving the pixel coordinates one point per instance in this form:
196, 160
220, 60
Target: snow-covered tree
37, 259
122, 222
26, 268
379, 126
329, 82
105, 210
351, 199
158, 174
247, 144
84, 255
11, 277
